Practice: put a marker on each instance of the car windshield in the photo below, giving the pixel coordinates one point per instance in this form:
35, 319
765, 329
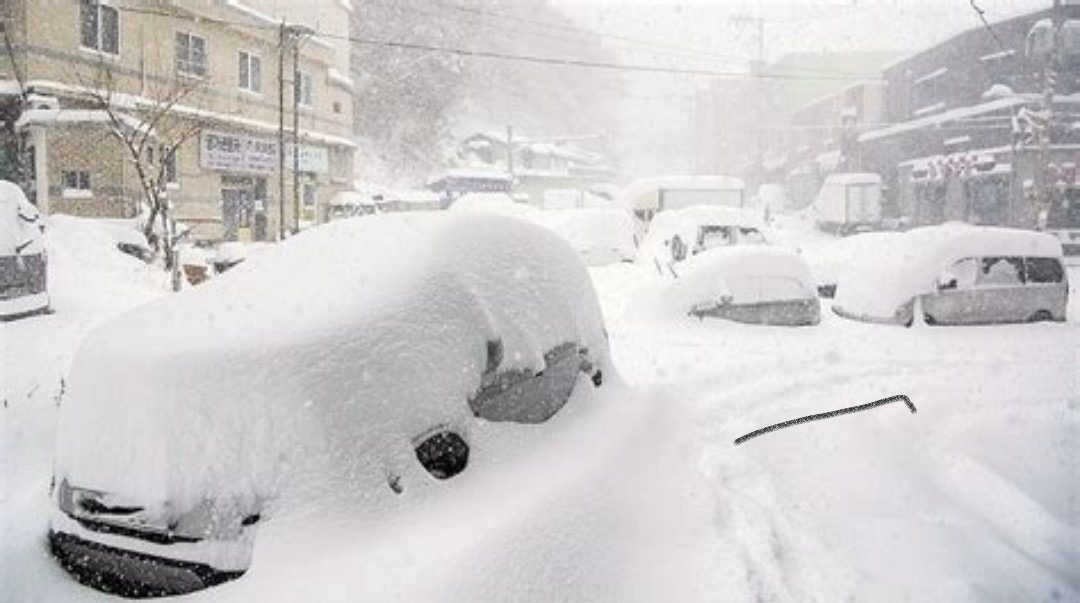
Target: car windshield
539, 300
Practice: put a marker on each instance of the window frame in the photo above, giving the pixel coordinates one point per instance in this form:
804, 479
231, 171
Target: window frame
1060, 272
83, 184
980, 283
182, 66
99, 7
305, 95
253, 84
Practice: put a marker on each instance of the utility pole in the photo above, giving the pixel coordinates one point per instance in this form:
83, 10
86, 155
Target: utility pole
296, 134
510, 151
1050, 73
281, 131
757, 71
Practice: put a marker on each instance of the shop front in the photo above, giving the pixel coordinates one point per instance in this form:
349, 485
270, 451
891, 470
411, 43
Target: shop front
245, 165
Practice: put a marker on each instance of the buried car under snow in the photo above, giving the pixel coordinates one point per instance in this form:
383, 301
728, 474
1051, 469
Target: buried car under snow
307, 376
750, 284
675, 235
23, 261
958, 274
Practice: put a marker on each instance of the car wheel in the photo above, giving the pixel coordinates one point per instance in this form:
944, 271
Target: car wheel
1041, 316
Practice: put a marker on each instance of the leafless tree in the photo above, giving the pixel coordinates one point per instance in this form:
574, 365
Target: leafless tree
151, 129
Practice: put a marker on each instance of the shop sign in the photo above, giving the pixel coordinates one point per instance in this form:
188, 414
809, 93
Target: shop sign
315, 160
235, 153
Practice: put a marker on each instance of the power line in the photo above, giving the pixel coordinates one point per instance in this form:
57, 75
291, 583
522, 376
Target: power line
523, 58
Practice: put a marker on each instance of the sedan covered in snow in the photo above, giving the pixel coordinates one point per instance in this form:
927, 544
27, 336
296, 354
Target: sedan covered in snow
756, 285
675, 235
956, 274
600, 236
352, 367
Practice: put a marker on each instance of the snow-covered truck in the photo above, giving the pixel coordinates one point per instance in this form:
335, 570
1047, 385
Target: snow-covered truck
648, 196
849, 203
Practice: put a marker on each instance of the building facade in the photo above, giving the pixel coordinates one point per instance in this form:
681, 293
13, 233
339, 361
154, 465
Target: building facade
965, 121
260, 107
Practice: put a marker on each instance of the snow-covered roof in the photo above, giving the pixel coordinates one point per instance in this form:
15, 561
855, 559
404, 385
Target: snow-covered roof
891, 272
853, 178
351, 199
748, 260
946, 116
308, 370
46, 117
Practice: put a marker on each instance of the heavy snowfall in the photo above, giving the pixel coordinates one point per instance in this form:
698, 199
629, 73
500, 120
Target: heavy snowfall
511, 363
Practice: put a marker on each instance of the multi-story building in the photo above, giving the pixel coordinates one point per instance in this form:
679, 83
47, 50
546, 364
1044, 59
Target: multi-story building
965, 120
745, 127
220, 75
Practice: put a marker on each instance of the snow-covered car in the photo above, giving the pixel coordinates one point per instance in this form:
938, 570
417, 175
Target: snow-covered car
676, 235
748, 284
959, 274
348, 368
828, 259
600, 236
23, 261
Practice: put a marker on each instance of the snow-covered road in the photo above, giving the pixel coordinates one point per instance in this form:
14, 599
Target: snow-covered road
974, 498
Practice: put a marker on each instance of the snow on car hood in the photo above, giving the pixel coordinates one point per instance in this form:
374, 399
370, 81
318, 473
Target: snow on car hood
893, 270
309, 368
716, 273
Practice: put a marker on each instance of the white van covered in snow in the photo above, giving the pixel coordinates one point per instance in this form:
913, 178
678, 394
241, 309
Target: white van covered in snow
848, 203
958, 274
23, 263
648, 196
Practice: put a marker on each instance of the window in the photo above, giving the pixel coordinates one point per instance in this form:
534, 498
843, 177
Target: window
304, 90
250, 72
171, 173
961, 275
309, 193
1044, 270
76, 183
99, 26
77, 180
1002, 271
525, 395
190, 54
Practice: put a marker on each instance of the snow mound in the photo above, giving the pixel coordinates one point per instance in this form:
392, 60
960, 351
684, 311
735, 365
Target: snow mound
893, 270
304, 373
500, 203
600, 236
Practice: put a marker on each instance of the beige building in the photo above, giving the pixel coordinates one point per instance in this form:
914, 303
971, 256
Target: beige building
202, 71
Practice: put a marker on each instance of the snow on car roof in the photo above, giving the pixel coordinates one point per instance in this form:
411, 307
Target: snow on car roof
686, 222
884, 276
356, 334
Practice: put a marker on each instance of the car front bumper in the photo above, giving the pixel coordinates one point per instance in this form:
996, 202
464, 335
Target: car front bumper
129, 565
